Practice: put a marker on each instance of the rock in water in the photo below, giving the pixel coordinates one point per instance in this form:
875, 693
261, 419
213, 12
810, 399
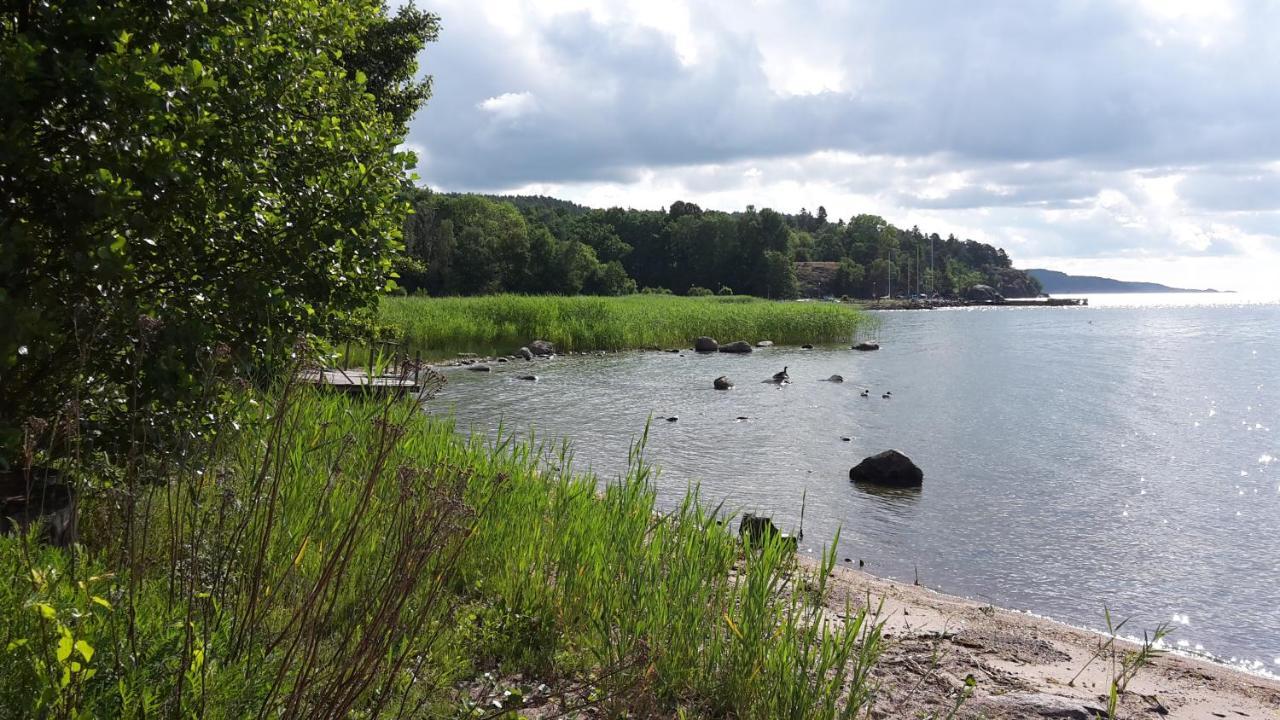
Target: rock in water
807, 346
526, 353
705, 344
723, 383
889, 468
765, 343
480, 368
530, 378
836, 378
867, 345
542, 348
741, 346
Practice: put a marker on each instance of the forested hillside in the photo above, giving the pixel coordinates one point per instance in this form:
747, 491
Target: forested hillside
474, 244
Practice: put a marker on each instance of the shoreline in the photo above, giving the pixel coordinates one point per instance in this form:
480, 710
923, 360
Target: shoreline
1023, 663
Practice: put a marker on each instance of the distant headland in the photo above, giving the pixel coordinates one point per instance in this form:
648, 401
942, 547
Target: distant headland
1059, 282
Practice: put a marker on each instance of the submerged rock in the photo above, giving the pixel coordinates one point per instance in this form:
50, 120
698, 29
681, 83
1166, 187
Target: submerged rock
836, 378
705, 344
889, 468
479, 368
867, 345
542, 348
741, 346
807, 346
722, 383
530, 378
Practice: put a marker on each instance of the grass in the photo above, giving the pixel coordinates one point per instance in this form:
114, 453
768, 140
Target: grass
500, 324
329, 557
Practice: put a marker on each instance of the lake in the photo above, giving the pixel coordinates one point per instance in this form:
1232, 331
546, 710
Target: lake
1123, 454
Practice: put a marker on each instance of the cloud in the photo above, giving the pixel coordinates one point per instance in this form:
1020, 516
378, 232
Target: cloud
1117, 128
510, 106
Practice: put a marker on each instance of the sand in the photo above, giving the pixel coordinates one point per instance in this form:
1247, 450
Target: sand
1023, 665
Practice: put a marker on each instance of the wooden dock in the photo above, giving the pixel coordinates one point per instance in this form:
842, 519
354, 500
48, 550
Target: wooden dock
360, 381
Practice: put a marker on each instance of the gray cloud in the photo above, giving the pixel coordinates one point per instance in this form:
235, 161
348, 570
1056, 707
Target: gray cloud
1093, 129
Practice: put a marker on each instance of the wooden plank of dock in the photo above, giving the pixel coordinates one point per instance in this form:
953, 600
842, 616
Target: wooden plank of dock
360, 381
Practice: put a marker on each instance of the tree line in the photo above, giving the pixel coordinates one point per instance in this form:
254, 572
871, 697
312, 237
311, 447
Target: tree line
465, 244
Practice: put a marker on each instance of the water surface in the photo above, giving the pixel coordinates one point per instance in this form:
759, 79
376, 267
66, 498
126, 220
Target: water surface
1122, 454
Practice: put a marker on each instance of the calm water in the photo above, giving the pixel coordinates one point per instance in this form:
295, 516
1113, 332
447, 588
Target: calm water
1125, 454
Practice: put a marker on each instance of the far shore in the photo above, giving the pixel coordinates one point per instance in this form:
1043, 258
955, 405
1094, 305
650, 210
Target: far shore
1024, 664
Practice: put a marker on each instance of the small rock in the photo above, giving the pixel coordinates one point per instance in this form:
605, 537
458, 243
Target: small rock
867, 345
890, 468
807, 346
705, 344
722, 383
836, 378
765, 343
672, 350
673, 418
542, 348
741, 346
740, 418
846, 438
526, 353
530, 378
480, 368
502, 359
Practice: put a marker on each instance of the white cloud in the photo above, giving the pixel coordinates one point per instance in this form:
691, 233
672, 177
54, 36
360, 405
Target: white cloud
509, 106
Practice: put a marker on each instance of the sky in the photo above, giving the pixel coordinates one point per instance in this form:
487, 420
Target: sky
1137, 139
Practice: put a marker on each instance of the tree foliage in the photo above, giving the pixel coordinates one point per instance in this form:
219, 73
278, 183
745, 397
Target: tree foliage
686, 246
185, 178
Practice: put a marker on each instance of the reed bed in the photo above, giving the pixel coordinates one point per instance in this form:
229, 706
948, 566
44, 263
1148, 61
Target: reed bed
330, 557
500, 324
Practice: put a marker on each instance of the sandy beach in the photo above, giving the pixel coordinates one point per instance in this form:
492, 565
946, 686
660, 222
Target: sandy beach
1023, 665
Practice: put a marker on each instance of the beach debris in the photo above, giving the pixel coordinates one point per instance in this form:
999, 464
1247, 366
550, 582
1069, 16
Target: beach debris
890, 468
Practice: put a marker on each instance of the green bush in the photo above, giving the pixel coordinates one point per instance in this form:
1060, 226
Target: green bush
696, 291
188, 179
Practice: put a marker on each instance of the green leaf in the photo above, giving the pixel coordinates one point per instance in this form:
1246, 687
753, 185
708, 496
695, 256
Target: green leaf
361, 78
64, 645
46, 611
85, 650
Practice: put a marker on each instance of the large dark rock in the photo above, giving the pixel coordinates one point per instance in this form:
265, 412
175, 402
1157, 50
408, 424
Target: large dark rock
889, 468
867, 345
526, 353
542, 348
984, 294
706, 344
722, 383
741, 346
